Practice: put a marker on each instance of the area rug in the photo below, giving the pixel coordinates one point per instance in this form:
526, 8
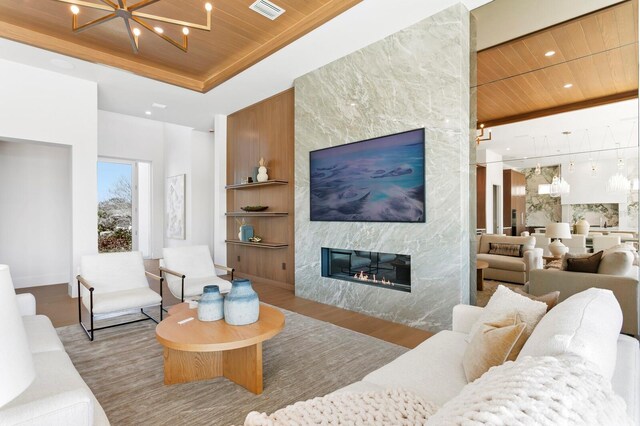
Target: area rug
309, 358
489, 287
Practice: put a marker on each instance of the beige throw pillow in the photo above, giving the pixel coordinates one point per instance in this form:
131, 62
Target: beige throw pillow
616, 263
505, 302
551, 299
492, 345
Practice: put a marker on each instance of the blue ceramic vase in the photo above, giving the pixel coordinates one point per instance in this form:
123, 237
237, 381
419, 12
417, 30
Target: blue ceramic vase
246, 232
241, 305
211, 305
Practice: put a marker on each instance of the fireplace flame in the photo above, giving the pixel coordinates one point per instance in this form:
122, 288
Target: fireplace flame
362, 276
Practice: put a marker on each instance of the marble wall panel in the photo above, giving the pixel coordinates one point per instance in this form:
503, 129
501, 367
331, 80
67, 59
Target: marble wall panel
418, 77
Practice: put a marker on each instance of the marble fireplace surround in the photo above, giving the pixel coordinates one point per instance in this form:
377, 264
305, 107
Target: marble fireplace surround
416, 78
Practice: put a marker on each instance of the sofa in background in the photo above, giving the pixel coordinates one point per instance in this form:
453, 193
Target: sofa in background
434, 370
509, 268
57, 395
625, 288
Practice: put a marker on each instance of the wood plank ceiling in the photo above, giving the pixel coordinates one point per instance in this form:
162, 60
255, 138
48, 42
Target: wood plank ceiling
239, 37
597, 54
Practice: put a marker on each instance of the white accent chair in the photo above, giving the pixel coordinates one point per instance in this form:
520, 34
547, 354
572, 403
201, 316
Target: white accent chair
114, 284
542, 242
577, 244
603, 242
188, 269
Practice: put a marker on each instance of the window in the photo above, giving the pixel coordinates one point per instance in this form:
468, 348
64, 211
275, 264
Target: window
124, 204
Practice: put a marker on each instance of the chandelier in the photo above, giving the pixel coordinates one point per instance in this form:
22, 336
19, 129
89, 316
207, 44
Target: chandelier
558, 186
129, 13
618, 183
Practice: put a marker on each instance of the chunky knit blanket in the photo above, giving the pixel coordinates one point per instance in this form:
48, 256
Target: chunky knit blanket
541, 391
385, 408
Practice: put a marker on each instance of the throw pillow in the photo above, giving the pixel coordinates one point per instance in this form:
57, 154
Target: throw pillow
623, 247
504, 249
568, 256
616, 263
505, 302
542, 391
588, 264
551, 299
491, 345
554, 264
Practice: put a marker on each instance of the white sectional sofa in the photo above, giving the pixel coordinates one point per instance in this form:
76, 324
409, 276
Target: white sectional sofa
57, 395
434, 369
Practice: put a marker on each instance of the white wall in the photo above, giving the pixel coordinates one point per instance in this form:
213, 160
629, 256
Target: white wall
44, 106
35, 230
131, 138
191, 153
220, 194
493, 162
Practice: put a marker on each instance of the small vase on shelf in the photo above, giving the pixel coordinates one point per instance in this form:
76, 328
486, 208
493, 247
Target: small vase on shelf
241, 305
582, 227
262, 171
211, 305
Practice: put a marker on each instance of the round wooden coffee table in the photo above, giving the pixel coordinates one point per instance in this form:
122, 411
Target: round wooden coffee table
481, 265
198, 350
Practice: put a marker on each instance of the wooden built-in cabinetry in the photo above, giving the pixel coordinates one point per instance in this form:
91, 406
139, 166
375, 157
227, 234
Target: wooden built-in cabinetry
264, 130
514, 202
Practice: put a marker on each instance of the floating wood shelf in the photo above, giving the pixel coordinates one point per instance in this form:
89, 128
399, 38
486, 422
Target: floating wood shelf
254, 184
265, 214
261, 244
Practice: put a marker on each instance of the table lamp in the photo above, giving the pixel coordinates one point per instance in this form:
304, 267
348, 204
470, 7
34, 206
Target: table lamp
16, 362
557, 231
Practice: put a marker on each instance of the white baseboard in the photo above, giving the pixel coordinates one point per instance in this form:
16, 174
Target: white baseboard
39, 280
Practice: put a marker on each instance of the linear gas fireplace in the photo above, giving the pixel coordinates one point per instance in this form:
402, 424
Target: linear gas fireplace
388, 270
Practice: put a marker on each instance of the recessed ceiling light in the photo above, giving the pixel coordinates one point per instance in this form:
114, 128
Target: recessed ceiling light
568, 86
550, 53
208, 7
61, 63
158, 30
148, 112
508, 149
352, 104
185, 31
75, 9
525, 157
136, 32
157, 105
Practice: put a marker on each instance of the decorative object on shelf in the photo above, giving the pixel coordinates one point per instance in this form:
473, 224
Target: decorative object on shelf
241, 306
262, 171
582, 227
175, 216
255, 239
254, 208
249, 179
245, 231
557, 231
131, 13
211, 305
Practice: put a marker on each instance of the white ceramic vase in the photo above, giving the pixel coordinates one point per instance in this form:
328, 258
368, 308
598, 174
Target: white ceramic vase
582, 227
262, 174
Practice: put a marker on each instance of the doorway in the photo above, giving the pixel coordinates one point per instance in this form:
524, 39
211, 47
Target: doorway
497, 209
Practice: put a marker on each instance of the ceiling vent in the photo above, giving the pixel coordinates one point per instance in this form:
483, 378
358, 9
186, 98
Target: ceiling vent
267, 9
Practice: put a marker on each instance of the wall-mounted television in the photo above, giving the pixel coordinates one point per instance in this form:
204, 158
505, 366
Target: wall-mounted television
375, 180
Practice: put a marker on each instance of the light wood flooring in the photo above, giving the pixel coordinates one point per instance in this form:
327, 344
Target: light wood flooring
53, 301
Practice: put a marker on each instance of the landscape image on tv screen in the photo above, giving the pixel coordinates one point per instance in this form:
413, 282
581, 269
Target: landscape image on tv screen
377, 180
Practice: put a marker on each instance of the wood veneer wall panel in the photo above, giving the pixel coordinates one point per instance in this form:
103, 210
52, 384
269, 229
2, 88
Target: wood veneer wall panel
481, 197
265, 130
